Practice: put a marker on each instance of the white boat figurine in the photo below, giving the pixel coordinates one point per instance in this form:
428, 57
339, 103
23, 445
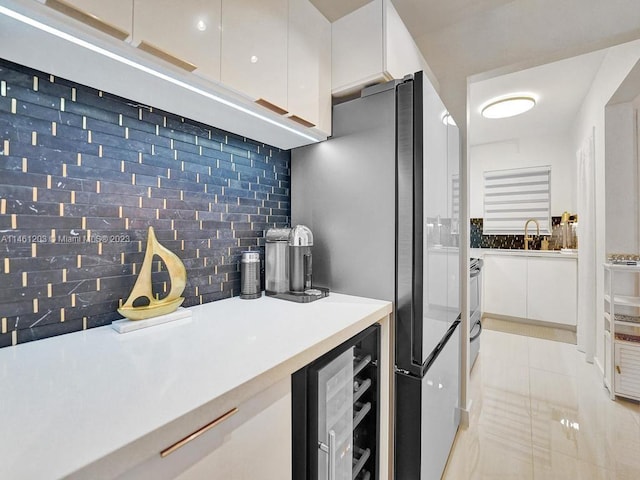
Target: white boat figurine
143, 286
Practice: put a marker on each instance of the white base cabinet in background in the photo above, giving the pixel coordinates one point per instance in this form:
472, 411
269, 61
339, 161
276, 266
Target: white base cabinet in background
253, 443
531, 287
627, 373
505, 285
622, 330
552, 286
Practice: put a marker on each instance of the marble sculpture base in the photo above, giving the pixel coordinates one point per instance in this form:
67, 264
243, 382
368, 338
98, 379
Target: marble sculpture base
125, 325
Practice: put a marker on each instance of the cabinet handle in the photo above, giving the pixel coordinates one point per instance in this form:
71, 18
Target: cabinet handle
197, 433
302, 121
87, 18
166, 56
271, 106
618, 370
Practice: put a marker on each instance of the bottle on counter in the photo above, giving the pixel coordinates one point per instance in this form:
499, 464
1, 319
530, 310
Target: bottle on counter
544, 244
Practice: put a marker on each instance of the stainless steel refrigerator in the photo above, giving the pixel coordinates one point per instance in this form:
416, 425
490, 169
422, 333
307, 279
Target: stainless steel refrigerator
381, 197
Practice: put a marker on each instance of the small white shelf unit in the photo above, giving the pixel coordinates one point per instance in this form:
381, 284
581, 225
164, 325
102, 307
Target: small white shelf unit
622, 330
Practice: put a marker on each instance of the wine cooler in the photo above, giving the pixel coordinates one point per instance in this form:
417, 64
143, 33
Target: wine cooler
336, 412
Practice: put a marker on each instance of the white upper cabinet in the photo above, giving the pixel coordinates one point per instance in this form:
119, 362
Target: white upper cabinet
278, 53
309, 79
185, 33
114, 17
253, 54
254, 50
371, 45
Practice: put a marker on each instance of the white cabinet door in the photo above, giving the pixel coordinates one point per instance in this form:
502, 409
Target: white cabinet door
505, 285
627, 370
552, 290
187, 31
254, 49
357, 48
309, 66
370, 45
259, 448
253, 443
101, 14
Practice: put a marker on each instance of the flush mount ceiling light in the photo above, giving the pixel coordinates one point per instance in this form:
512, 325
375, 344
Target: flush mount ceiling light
448, 120
508, 107
201, 25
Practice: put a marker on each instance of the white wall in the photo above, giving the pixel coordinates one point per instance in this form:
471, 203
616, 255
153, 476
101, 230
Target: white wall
555, 150
615, 67
621, 179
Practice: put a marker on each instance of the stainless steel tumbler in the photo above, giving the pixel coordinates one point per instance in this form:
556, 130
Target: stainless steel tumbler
250, 275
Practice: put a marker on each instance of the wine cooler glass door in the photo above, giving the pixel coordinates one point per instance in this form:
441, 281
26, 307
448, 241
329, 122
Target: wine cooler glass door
335, 418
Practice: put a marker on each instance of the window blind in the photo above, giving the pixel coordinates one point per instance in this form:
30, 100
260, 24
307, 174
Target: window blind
511, 197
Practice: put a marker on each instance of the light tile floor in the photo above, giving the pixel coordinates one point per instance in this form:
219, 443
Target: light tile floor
541, 412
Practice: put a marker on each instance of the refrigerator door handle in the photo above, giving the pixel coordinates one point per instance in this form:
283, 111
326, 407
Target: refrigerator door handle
441, 344
409, 228
475, 336
330, 450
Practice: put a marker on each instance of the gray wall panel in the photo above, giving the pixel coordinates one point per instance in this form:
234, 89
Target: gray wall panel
354, 172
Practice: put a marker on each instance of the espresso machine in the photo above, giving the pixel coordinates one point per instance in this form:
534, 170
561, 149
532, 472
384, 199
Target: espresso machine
289, 265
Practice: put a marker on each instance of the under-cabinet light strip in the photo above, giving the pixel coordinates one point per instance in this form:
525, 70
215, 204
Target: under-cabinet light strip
65, 36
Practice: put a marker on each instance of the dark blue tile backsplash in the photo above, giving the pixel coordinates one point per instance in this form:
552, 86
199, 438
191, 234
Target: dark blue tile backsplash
83, 174
479, 240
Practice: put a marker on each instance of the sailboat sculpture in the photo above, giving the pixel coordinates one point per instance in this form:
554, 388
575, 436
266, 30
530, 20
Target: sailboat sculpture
143, 287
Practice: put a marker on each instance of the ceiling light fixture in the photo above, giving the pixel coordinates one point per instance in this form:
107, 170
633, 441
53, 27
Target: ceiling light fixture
114, 56
508, 107
448, 120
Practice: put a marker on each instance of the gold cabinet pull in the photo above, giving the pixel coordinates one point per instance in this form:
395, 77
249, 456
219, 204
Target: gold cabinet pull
618, 369
271, 106
197, 433
302, 121
166, 56
87, 18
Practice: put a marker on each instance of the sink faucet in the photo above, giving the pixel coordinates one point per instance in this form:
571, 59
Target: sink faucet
528, 238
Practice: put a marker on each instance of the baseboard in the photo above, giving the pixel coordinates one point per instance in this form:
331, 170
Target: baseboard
465, 414
527, 321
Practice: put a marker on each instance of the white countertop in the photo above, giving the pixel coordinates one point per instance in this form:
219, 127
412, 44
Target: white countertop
481, 252
71, 400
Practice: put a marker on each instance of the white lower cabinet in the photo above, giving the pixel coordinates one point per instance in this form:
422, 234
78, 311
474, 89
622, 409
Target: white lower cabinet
505, 285
552, 290
532, 287
627, 369
254, 442
622, 330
